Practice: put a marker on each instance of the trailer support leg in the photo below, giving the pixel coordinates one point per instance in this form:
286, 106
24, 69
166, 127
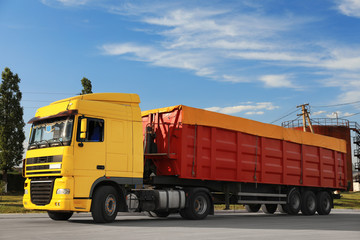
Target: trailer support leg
227, 197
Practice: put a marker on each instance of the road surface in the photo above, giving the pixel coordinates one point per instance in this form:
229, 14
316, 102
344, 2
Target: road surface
340, 224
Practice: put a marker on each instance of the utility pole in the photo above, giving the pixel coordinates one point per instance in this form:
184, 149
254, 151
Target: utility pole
337, 118
305, 114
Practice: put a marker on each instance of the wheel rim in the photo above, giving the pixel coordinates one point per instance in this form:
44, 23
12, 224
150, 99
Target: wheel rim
200, 205
110, 205
311, 204
326, 203
295, 201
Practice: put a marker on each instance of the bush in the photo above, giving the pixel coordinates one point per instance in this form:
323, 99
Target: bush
2, 187
15, 182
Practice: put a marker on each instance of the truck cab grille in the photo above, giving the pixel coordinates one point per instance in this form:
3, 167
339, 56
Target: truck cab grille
41, 191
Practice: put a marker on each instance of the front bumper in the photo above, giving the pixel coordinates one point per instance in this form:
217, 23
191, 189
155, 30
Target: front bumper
57, 202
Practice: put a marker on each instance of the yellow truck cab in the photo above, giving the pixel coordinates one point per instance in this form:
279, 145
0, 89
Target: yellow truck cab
79, 147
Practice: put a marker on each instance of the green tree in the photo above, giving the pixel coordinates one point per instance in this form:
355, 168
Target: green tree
11, 123
87, 87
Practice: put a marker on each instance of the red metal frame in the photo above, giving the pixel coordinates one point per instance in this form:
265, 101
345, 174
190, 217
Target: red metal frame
209, 153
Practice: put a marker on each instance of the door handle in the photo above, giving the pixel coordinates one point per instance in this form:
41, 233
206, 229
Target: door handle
100, 167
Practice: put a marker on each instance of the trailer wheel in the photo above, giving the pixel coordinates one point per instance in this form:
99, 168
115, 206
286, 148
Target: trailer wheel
323, 203
252, 207
59, 216
308, 203
198, 208
269, 208
104, 205
293, 205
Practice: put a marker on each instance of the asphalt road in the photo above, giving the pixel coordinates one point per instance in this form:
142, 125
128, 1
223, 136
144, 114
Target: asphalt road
340, 224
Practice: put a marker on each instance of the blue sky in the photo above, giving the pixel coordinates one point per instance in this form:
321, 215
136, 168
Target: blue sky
254, 59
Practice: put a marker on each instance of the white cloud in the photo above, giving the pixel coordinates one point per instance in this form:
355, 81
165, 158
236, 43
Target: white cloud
277, 81
169, 58
234, 79
254, 113
248, 108
204, 39
348, 83
350, 96
347, 114
344, 58
68, 3
318, 113
349, 8
275, 56
338, 114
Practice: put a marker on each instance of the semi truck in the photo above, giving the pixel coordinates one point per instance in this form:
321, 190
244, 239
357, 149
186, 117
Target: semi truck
99, 153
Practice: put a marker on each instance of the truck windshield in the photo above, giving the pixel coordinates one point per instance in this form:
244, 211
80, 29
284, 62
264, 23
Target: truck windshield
51, 133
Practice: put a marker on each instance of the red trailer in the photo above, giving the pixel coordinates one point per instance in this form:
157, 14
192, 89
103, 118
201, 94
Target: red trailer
248, 162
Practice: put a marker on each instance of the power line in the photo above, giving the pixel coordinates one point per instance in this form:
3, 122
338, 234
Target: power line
335, 105
51, 93
34, 101
283, 116
352, 115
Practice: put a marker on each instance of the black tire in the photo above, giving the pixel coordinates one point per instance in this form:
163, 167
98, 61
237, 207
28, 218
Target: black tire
183, 214
308, 203
59, 216
324, 203
253, 207
269, 208
198, 208
158, 214
293, 205
105, 204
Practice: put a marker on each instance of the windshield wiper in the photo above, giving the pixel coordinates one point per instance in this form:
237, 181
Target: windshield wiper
47, 142
36, 143
58, 140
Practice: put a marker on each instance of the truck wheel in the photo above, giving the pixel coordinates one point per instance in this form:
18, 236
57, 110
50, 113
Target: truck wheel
59, 216
269, 208
158, 214
253, 207
104, 205
294, 202
323, 203
198, 208
308, 203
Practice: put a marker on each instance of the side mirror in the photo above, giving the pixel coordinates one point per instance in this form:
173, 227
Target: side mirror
83, 128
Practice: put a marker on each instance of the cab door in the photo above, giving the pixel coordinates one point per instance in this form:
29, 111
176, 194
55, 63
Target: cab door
89, 154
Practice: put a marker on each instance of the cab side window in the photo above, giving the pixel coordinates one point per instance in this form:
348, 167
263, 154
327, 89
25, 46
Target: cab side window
95, 130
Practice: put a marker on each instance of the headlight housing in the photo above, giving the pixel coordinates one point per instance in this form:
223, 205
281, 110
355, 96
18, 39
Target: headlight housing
63, 191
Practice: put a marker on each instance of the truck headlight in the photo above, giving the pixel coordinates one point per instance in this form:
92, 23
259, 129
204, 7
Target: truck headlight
63, 191
55, 166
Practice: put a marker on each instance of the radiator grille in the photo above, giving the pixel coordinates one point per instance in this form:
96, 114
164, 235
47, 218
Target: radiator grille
46, 159
41, 191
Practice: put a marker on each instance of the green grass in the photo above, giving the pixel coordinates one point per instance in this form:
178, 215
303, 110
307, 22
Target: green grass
12, 203
349, 200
